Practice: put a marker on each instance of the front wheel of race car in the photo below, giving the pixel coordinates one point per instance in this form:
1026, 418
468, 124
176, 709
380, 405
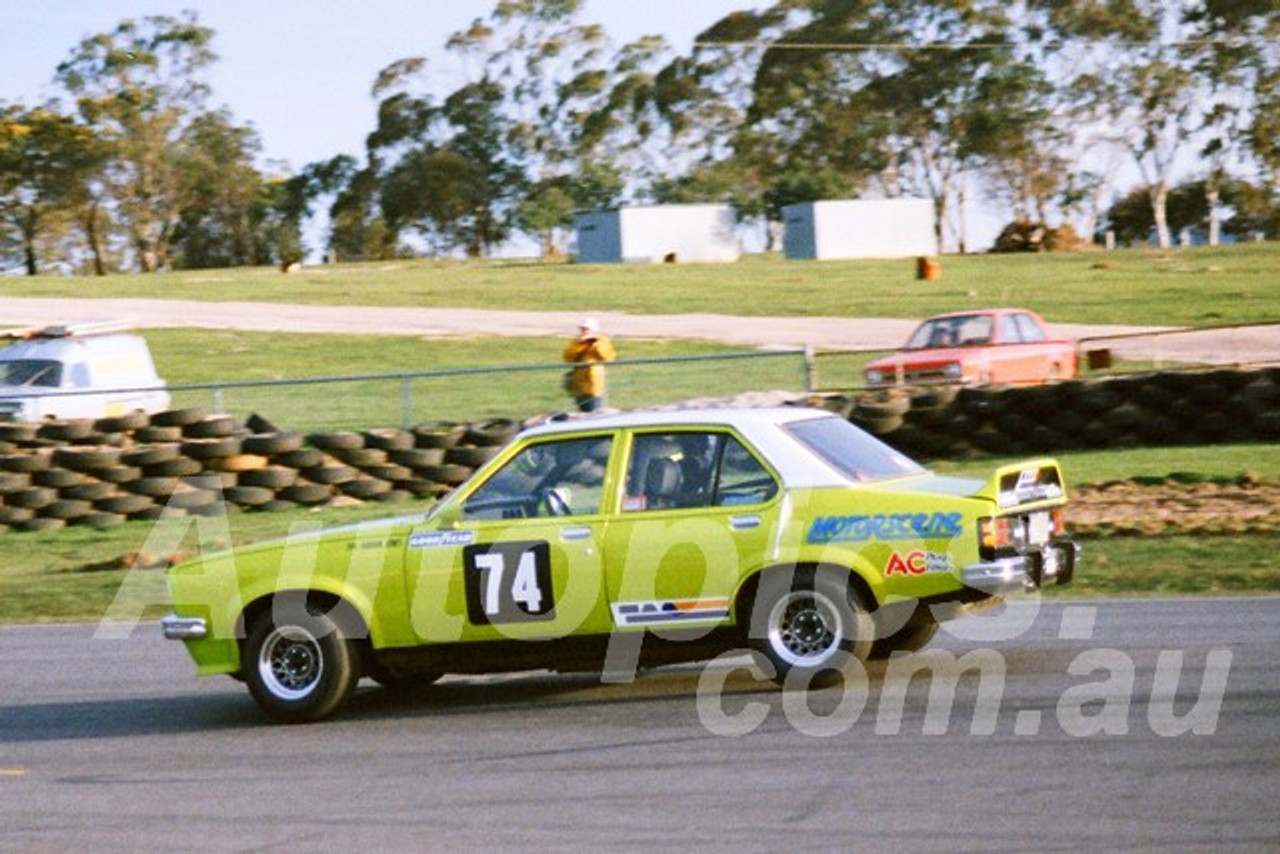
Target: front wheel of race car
298, 663
809, 625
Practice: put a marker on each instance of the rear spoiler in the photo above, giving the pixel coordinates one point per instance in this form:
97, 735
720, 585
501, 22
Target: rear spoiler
1027, 485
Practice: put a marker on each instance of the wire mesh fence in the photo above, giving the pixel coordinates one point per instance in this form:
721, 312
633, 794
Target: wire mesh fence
510, 391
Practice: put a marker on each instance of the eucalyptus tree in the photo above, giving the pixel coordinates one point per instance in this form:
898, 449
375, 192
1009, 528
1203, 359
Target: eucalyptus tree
1240, 56
1020, 146
1139, 87
813, 112
139, 87
224, 193
49, 165
877, 97
710, 147
574, 108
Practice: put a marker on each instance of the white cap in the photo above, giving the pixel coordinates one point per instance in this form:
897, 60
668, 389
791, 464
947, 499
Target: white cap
589, 324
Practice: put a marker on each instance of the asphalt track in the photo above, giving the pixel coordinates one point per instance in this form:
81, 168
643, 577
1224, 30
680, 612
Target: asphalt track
822, 332
1117, 725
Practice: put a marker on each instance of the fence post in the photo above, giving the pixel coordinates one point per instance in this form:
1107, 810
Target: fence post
810, 369
217, 399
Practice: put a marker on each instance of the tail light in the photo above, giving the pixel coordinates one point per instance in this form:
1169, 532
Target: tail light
995, 535
1005, 534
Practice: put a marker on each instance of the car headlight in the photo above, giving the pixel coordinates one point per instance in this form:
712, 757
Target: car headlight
875, 377
953, 371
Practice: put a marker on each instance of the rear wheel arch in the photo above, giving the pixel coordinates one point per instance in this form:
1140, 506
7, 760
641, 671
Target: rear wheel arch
745, 594
810, 622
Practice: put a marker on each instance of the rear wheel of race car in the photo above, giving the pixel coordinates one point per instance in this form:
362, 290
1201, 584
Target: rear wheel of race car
809, 626
299, 664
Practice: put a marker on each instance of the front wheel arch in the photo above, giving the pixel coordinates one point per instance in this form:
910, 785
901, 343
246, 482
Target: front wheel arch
339, 640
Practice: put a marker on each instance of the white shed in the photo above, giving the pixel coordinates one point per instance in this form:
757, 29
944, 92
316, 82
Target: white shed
673, 233
884, 228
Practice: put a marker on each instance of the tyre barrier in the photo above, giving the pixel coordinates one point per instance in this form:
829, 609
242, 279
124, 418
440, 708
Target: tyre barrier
187, 462
1146, 410
100, 473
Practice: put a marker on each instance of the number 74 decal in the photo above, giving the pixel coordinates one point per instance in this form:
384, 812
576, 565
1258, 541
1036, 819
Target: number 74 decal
508, 582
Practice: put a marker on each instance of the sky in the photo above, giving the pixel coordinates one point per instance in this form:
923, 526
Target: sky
300, 71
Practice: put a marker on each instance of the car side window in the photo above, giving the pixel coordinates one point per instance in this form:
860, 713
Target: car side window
554, 478
975, 330
742, 479
692, 469
1009, 331
1031, 331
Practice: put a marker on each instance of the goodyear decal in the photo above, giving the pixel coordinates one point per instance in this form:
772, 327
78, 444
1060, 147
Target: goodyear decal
918, 563
885, 527
433, 539
669, 611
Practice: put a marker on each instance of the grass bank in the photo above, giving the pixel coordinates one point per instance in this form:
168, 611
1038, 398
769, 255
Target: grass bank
195, 356
1181, 287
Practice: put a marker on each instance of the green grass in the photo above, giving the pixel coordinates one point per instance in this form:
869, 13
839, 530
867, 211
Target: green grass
1178, 566
43, 577
1183, 287
75, 573
191, 356
1080, 467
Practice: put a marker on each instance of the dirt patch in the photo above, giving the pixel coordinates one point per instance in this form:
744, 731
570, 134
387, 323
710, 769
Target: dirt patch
1243, 505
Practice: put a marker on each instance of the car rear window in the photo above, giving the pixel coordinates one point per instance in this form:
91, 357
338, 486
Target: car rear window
853, 452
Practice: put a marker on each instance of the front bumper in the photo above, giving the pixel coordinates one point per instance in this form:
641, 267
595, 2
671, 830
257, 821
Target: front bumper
184, 628
1054, 563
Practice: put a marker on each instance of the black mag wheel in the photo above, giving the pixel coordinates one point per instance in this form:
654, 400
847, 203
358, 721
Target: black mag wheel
810, 624
298, 664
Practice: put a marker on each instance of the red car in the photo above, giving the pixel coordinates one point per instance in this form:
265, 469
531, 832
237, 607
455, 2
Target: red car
999, 345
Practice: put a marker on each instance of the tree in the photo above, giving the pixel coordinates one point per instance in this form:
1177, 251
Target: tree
224, 192
48, 163
1020, 147
1139, 88
358, 230
139, 88
549, 208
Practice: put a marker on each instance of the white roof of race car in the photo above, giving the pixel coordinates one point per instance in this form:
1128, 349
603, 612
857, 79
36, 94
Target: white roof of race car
762, 427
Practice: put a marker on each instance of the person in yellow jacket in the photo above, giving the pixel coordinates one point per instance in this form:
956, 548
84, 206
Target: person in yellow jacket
590, 349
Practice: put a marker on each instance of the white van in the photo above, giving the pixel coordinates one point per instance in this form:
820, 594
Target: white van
83, 371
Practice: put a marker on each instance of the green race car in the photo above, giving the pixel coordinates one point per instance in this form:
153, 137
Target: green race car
609, 543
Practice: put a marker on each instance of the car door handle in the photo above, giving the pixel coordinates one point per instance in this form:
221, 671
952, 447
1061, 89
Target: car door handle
744, 523
578, 532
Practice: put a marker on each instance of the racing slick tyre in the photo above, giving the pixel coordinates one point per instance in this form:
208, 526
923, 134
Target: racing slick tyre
809, 625
299, 665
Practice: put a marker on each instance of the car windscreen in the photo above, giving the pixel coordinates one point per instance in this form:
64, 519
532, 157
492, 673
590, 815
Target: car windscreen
856, 454
31, 372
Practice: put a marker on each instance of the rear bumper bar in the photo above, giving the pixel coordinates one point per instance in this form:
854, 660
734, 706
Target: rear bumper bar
1054, 563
